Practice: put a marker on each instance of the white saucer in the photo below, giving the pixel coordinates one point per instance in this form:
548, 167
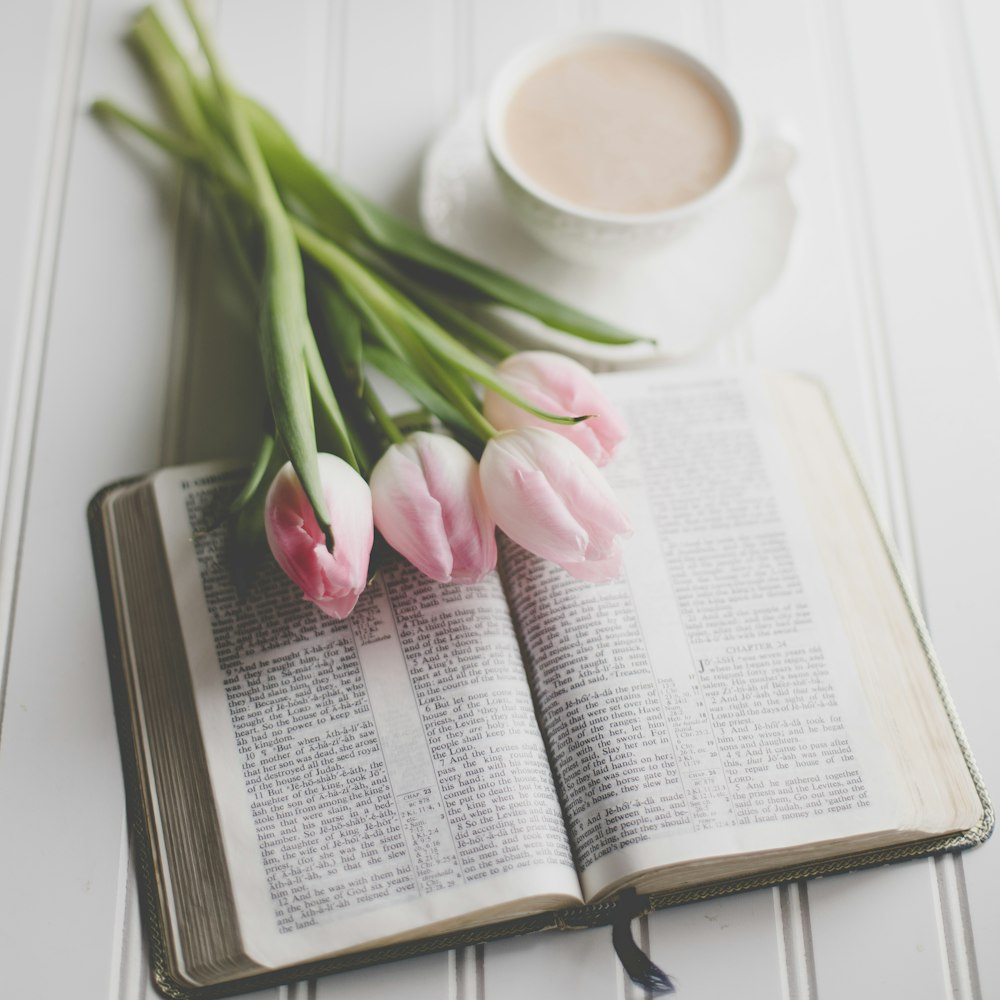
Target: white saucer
683, 298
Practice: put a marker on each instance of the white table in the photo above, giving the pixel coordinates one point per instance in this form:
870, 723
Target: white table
111, 333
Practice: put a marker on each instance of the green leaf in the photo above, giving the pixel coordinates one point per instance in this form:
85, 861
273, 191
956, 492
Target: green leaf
163, 59
282, 349
176, 145
380, 311
460, 357
300, 177
257, 475
381, 416
285, 335
405, 376
459, 324
338, 319
327, 406
247, 546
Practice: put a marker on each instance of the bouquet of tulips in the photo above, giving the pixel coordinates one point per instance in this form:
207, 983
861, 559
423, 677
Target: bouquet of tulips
341, 285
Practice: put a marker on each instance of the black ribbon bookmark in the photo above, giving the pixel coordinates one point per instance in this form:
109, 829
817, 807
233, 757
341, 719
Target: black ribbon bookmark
640, 968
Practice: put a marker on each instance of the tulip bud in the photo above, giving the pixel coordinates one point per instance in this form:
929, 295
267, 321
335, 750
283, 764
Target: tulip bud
333, 581
560, 385
552, 500
429, 506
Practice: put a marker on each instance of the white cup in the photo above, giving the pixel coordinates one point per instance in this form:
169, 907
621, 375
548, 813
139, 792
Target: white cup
576, 232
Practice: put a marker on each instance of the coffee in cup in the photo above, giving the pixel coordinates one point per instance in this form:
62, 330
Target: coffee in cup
607, 144
616, 128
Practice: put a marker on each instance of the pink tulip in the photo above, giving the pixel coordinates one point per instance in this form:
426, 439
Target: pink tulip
552, 500
562, 386
333, 581
430, 507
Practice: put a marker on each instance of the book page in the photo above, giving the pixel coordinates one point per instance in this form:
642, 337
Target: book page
704, 704
372, 776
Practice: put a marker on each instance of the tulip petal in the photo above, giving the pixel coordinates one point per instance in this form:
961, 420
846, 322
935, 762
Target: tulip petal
408, 516
558, 384
337, 607
331, 580
550, 499
453, 477
539, 520
430, 507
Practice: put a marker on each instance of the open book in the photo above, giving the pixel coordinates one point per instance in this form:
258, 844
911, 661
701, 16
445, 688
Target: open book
754, 700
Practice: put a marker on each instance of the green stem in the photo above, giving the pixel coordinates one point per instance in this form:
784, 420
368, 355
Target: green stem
233, 240
326, 399
284, 332
381, 415
256, 477
439, 308
370, 293
390, 302
243, 136
178, 87
170, 141
405, 375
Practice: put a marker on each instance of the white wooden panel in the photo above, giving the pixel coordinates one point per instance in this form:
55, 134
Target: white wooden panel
34, 42
60, 782
397, 87
816, 321
425, 978
565, 964
977, 25
721, 948
936, 325
874, 936
957, 932
134, 979
971, 27
44, 48
278, 54
667, 20
938, 274
496, 31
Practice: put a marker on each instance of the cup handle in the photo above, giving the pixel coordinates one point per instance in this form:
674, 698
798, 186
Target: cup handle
774, 149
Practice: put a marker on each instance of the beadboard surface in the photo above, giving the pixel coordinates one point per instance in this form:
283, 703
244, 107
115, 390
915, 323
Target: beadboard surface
116, 356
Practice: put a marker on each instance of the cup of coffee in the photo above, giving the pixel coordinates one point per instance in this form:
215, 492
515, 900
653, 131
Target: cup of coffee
607, 145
